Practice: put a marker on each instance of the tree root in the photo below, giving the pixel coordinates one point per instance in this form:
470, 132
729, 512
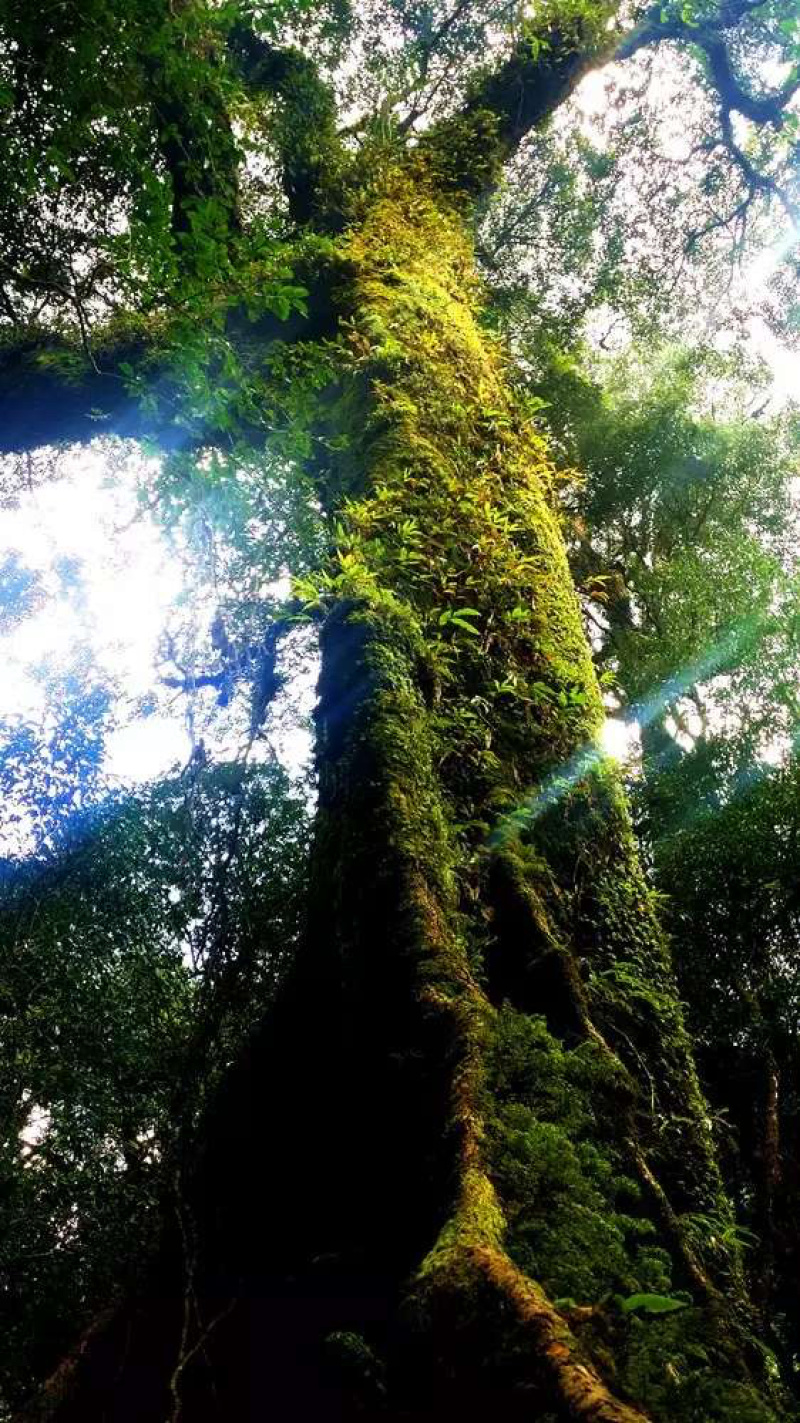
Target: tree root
576, 1388
469, 1252
547, 1354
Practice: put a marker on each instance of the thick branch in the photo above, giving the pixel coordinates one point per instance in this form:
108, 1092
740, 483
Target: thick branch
543, 70
538, 76
769, 109
535, 79
51, 394
305, 128
708, 38
199, 172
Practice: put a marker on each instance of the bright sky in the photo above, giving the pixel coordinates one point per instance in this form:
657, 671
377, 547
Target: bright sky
784, 364
128, 578
592, 99
115, 612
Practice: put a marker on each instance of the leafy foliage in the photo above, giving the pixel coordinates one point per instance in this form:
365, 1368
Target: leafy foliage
139, 951
682, 537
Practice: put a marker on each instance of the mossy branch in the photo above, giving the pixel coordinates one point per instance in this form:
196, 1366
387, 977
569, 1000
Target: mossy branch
309, 148
672, 1227
50, 393
467, 150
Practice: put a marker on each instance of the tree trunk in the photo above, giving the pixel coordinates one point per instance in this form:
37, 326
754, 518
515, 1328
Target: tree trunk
769, 1154
453, 1173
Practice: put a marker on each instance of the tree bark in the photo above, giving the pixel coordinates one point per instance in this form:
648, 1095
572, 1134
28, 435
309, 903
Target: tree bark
429, 1147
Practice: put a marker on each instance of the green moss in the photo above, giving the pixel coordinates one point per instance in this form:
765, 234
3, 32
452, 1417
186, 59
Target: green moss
515, 874
448, 500
354, 1368
676, 1365
578, 1223
465, 154
566, 1192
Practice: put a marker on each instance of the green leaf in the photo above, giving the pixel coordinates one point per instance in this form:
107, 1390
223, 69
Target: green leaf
652, 1304
460, 622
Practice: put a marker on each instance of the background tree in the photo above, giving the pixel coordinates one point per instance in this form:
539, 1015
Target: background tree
682, 537
723, 847
142, 942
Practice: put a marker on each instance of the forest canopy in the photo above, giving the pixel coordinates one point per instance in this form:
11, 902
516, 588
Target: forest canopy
441, 357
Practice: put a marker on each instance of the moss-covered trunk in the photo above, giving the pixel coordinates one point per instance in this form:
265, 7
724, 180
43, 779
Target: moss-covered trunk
466, 1166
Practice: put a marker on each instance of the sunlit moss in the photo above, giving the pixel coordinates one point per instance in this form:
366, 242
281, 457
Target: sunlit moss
577, 1133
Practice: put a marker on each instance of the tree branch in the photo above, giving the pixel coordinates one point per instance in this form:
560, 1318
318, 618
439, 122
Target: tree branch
427, 49
50, 393
305, 128
193, 127
769, 109
707, 37
765, 110
540, 74
757, 182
